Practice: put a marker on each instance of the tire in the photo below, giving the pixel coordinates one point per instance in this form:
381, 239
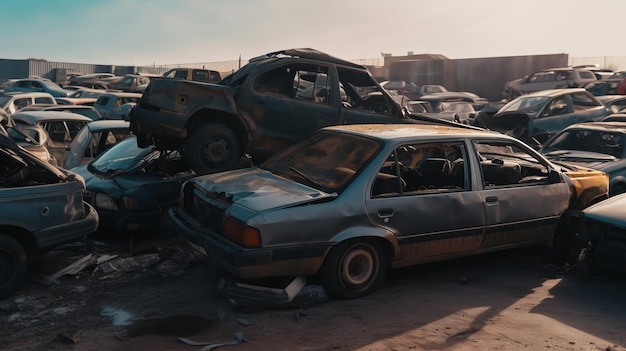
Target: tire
354, 269
212, 148
617, 189
13, 266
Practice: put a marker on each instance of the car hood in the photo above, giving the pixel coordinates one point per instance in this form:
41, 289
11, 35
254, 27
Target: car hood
258, 190
592, 160
117, 183
609, 211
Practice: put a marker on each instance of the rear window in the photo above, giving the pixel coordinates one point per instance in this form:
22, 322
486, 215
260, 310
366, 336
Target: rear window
587, 75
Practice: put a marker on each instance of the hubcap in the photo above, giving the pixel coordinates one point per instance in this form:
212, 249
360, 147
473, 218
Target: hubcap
357, 267
216, 152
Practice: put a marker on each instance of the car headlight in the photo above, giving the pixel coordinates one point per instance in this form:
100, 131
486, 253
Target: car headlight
104, 201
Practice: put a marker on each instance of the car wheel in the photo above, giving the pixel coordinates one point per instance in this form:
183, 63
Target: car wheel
13, 266
212, 148
353, 269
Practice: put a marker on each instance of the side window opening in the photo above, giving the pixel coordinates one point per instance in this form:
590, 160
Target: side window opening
423, 168
360, 91
303, 82
505, 164
277, 82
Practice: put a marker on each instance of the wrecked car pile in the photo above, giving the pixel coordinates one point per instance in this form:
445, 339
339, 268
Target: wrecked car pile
393, 188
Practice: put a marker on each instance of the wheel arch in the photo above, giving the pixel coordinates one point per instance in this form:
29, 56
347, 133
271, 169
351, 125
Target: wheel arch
22, 236
387, 241
230, 120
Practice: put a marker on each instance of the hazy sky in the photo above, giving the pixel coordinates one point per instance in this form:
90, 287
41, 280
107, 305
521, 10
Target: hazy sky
145, 32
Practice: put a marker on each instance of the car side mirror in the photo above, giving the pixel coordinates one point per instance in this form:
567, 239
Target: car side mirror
554, 177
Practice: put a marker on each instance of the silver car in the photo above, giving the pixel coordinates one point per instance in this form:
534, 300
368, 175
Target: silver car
352, 201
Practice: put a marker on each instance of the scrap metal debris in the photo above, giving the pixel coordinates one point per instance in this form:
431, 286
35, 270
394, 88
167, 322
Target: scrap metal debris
244, 294
239, 338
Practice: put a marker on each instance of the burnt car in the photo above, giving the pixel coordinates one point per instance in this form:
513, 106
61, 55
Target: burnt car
42, 208
603, 234
597, 145
131, 187
260, 108
535, 117
350, 202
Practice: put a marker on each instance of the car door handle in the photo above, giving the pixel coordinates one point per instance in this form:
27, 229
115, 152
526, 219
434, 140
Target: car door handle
491, 199
385, 213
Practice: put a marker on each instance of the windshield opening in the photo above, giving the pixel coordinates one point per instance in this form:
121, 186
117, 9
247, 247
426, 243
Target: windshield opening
328, 161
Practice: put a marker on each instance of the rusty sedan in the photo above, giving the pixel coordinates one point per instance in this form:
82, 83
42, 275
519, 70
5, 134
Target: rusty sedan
350, 202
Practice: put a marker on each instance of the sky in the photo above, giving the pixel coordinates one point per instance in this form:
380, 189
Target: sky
160, 32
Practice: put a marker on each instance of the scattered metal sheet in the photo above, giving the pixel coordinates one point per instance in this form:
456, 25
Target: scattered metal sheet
75, 267
257, 293
239, 338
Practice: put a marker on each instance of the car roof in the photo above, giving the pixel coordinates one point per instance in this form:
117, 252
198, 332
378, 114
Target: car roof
307, 53
409, 131
33, 117
120, 94
108, 124
28, 93
554, 92
611, 126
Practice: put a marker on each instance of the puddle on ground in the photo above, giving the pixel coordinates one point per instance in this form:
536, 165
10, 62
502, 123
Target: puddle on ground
119, 317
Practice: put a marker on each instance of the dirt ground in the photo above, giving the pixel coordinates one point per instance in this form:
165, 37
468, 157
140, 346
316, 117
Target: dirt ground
158, 291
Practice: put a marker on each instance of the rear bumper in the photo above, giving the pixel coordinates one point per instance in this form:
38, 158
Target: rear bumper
249, 263
157, 123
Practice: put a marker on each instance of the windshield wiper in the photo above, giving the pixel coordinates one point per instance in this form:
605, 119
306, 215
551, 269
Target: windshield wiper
305, 176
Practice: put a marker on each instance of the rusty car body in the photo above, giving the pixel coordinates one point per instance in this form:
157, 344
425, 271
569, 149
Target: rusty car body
60, 126
597, 145
42, 207
603, 234
260, 108
351, 201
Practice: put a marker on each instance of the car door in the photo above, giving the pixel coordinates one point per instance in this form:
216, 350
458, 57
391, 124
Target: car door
287, 103
424, 194
523, 199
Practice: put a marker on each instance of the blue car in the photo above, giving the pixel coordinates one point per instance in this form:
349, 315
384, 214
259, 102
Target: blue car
131, 187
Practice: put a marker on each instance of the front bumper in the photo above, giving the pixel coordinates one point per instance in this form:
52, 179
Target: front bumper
67, 232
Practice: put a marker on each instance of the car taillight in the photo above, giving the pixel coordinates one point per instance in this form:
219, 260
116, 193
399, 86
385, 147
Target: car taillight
242, 234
